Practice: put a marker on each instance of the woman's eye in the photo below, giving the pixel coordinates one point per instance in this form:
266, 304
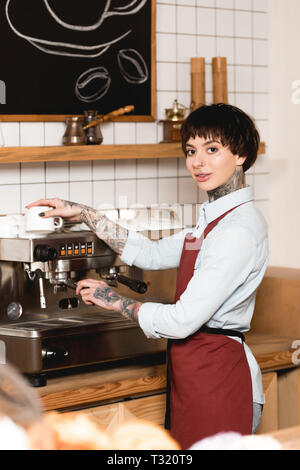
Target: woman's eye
212, 149
190, 152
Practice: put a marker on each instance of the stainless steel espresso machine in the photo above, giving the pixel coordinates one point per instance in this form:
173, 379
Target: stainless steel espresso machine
44, 326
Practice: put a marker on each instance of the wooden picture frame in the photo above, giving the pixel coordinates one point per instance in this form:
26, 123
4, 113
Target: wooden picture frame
18, 41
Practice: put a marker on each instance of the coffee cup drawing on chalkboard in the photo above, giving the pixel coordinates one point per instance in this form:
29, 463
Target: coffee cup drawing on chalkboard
94, 52
76, 50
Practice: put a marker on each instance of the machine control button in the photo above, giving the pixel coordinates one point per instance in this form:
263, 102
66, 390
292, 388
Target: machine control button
14, 311
44, 253
70, 249
83, 248
76, 249
90, 248
62, 250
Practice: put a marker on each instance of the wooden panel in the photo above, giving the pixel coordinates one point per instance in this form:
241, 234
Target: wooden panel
289, 398
150, 408
91, 152
269, 420
277, 306
102, 386
88, 152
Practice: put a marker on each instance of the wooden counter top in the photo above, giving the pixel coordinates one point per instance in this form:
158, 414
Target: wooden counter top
116, 383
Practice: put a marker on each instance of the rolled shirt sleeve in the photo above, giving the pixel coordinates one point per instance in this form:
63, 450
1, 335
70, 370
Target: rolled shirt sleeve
153, 255
228, 260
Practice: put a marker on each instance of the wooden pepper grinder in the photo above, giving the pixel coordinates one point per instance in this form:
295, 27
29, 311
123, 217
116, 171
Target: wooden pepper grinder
220, 87
197, 82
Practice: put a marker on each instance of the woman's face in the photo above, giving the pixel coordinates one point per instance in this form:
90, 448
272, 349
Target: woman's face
210, 163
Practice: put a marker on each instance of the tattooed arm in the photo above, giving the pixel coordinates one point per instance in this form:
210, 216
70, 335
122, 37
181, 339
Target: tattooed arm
110, 232
99, 293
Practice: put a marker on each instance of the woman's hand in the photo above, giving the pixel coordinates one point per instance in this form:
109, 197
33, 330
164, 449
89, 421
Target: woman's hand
70, 211
101, 294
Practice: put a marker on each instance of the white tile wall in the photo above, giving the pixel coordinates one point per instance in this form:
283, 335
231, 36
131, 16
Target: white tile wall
236, 29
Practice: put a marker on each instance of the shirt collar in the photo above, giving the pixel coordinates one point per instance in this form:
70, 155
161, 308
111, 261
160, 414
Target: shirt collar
215, 209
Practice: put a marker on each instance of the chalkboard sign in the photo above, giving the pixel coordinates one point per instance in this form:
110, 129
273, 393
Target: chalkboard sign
61, 57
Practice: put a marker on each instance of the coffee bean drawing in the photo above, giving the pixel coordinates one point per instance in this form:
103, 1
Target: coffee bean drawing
132, 66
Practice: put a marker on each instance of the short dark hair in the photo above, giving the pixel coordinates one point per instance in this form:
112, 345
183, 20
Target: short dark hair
232, 126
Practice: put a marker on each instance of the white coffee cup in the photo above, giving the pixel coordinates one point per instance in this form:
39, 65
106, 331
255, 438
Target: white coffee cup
36, 224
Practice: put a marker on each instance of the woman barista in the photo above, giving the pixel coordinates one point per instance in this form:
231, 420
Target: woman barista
214, 381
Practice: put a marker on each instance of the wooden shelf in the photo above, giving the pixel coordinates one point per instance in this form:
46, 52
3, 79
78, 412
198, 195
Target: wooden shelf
92, 152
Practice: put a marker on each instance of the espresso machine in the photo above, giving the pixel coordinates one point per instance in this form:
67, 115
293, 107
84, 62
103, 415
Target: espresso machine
44, 325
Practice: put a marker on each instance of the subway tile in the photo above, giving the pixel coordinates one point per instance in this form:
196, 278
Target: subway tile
260, 5
167, 191
182, 169
208, 78
225, 23
165, 18
125, 169
146, 133
107, 131
262, 164
81, 191
243, 51
167, 167
260, 52
31, 193
205, 3
147, 192
244, 101
243, 77
260, 79
206, 47
166, 76
263, 129
125, 191
183, 77
261, 186
54, 132
103, 194
186, 47
243, 5
57, 171
80, 170
33, 172
205, 21
186, 2
124, 133
10, 134
10, 199
225, 48
260, 106
31, 134
224, 4
103, 170
243, 24
60, 190
166, 47
187, 190
260, 25
10, 173
186, 20
147, 168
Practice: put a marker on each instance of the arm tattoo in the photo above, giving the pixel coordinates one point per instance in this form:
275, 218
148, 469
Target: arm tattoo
107, 230
237, 181
127, 307
130, 308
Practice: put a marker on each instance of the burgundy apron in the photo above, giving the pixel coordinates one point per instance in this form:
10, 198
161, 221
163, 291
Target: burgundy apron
209, 382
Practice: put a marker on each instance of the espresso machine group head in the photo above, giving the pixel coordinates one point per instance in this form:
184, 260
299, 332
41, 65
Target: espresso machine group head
44, 325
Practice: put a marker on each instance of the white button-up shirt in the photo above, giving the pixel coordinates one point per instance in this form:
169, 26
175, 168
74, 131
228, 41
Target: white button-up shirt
228, 270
